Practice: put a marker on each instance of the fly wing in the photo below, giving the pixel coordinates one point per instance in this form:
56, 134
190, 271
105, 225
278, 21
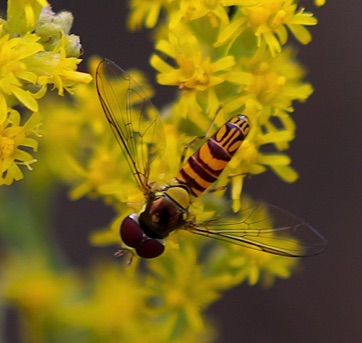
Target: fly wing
134, 120
263, 227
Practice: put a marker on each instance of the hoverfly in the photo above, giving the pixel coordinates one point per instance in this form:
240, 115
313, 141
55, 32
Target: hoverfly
139, 132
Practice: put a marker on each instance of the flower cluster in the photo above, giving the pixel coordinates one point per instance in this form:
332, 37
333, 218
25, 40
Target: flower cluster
222, 57
13, 137
215, 80
233, 55
108, 303
111, 301
36, 50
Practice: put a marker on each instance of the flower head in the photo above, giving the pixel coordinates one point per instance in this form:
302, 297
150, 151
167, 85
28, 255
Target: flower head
194, 72
268, 21
116, 300
14, 53
182, 295
38, 292
35, 50
23, 14
15, 140
144, 13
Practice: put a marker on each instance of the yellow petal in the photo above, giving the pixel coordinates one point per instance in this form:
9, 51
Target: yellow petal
273, 159
25, 98
3, 109
286, 173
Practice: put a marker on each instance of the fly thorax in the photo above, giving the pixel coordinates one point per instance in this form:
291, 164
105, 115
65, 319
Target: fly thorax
180, 194
165, 211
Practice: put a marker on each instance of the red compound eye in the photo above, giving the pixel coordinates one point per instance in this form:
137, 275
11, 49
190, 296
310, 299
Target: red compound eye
130, 231
133, 236
150, 248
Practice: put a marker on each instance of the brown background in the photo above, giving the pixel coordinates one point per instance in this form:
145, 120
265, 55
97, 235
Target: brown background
324, 303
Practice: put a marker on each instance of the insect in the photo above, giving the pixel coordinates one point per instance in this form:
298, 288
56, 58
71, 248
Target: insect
139, 132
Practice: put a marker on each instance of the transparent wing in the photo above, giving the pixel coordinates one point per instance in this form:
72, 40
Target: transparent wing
134, 120
263, 227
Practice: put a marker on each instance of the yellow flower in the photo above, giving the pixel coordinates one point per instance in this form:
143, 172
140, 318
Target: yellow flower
319, 2
144, 11
182, 296
105, 173
268, 21
53, 28
258, 267
55, 67
194, 70
241, 81
35, 50
38, 292
14, 138
168, 297
14, 53
96, 167
115, 304
189, 10
229, 264
24, 62
23, 14
266, 94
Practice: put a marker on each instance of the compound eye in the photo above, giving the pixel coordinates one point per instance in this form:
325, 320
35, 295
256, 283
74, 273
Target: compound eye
150, 248
130, 231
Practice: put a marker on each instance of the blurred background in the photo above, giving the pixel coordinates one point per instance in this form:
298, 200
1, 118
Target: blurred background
323, 303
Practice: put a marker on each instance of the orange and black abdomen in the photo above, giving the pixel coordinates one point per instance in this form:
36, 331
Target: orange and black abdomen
205, 165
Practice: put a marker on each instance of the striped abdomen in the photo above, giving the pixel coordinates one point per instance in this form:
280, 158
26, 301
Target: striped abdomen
205, 165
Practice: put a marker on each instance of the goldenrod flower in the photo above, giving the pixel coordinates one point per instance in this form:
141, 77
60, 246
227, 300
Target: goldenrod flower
104, 172
263, 87
35, 51
14, 141
211, 80
182, 296
14, 53
116, 300
268, 20
266, 94
108, 302
188, 10
223, 57
96, 166
194, 70
319, 2
18, 10
254, 266
145, 12
38, 292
